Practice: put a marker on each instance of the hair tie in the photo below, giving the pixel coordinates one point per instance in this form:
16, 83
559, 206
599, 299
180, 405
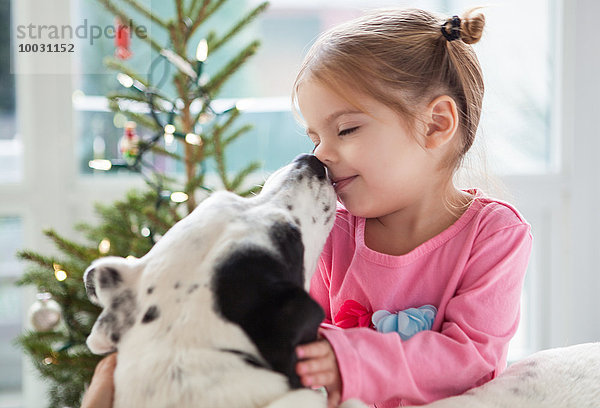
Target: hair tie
454, 33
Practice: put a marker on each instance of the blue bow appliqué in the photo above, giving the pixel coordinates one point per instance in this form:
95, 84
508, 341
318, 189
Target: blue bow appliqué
406, 322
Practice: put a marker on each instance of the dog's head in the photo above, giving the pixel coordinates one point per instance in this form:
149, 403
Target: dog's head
231, 275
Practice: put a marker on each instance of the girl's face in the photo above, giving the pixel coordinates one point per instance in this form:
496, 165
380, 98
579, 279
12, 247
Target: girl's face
376, 165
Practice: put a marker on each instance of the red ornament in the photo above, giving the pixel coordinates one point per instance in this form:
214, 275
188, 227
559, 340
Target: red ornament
130, 143
122, 41
353, 314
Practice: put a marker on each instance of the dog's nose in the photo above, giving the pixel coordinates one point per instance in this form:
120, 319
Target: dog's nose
313, 163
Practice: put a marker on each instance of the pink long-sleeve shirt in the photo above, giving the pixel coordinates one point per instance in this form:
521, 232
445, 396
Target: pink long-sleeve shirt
472, 272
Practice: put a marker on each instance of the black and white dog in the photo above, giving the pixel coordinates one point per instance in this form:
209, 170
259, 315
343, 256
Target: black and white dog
211, 316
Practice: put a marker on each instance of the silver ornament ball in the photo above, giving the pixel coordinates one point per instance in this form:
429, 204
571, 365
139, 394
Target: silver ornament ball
45, 314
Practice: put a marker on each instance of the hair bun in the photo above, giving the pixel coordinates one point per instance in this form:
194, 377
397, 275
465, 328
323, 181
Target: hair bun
471, 27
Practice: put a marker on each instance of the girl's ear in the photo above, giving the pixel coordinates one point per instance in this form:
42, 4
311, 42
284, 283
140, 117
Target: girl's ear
442, 121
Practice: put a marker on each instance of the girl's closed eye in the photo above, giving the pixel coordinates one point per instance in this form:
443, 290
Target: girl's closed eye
345, 132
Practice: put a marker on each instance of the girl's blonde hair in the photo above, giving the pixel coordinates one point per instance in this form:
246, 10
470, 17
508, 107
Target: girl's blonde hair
401, 58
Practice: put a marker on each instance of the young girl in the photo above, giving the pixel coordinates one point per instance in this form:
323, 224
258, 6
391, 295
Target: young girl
430, 275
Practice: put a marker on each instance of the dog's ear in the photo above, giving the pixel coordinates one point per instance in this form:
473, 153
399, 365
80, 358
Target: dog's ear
111, 283
253, 289
289, 318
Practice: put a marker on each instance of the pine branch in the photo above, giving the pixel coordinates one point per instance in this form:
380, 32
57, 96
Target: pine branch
84, 254
44, 281
147, 13
125, 19
211, 38
243, 174
163, 152
180, 13
240, 25
161, 226
34, 257
116, 95
126, 103
233, 115
204, 13
192, 10
235, 135
164, 179
251, 191
215, 84
139, 97
113, 63
205, 105
143, 120
219, 157
194, 183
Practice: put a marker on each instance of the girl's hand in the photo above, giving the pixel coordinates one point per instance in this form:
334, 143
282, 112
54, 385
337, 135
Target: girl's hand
318, 368
102, 388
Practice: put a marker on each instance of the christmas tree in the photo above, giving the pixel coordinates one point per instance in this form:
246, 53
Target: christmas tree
62, 316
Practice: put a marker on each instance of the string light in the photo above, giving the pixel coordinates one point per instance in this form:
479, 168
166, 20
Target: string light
145, 231
193, 139
201, 56
104, 246
119, 120
205, 118
170, 129
202, 50
244, 104
125, 80
100, 164
182, 64
49, 360
59, 273
179, 197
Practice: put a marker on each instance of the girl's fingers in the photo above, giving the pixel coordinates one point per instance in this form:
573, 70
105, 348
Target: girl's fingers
320, 379
333, 399
108, 363
101, 389
314, 366
313, 350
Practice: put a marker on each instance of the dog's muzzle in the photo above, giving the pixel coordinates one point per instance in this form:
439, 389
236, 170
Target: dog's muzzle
313, 163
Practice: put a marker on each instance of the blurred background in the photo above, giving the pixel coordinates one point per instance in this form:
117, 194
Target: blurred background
537, 147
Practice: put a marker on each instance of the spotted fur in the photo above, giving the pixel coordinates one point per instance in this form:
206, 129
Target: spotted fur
211, 315
566, 377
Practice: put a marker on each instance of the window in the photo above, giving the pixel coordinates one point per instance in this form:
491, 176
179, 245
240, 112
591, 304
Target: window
515, 125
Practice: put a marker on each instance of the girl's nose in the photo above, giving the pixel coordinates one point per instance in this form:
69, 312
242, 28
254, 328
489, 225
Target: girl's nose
326, 153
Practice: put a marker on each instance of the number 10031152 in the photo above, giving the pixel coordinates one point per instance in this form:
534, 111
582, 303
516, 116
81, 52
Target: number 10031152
27, 47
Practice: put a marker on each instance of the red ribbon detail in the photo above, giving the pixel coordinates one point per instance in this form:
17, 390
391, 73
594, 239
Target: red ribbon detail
353, 314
